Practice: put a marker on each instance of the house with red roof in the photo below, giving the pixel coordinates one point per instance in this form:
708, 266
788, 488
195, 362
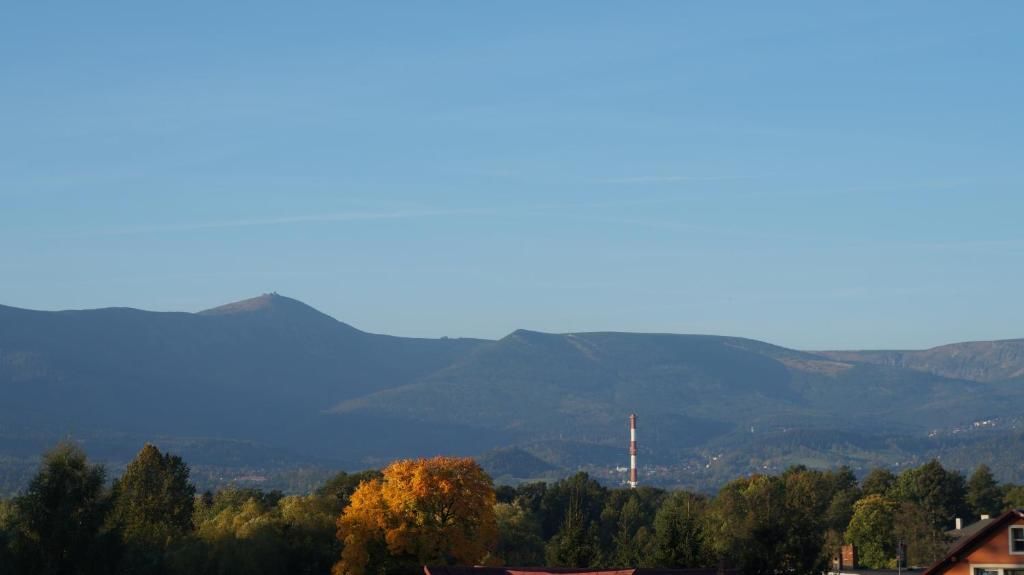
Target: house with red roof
481, 570
989, 547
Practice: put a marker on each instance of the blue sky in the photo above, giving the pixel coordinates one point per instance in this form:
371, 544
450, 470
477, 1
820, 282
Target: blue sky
818, 175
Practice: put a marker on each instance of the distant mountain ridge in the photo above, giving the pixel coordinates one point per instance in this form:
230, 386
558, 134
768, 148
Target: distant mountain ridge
244, 371
983, 361
274, 371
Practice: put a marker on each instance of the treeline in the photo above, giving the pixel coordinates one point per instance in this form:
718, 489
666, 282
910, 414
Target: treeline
152, 521
795, 522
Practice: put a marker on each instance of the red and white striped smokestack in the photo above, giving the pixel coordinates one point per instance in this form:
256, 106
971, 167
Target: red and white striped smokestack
632, 451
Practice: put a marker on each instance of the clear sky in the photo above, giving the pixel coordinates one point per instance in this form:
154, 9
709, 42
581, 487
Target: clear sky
815, 174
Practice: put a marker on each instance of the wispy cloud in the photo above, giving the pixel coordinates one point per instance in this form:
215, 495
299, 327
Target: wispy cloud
669, 179
349, 216
983, 245
924, 186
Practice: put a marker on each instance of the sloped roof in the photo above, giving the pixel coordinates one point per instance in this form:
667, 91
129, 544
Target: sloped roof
475, 570
972, 538
968, 531
480, 570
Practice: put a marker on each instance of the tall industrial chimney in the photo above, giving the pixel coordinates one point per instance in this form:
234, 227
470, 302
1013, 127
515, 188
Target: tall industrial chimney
632, 451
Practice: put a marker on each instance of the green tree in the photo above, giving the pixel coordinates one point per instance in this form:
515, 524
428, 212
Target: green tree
633, 541
208, 505
570, 513
531, 497
845, 492
309, 533
872, 531
940, 493
879, 481
680, 539
59, 518
588, 495
626, 526
749, 530
519, 540
1013, 496
153, 505
925, 544
243, 538
252, 532
577, 542
342, 485
809, 496
6, 534
983, 494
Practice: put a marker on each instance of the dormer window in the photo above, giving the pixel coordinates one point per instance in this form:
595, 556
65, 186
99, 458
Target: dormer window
1017, 540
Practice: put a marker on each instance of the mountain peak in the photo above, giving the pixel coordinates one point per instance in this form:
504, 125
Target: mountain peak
261, 302
275, 307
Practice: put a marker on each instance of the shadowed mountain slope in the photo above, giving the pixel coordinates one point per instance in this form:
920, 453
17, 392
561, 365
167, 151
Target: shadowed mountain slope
689, 389
983, 361
272, 371
257, 368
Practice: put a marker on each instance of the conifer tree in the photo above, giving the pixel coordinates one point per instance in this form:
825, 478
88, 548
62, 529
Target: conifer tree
983, 494
680, 537
633, 539
153, 505
577, 543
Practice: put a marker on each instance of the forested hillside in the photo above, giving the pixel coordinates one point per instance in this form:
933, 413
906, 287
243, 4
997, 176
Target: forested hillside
258, 387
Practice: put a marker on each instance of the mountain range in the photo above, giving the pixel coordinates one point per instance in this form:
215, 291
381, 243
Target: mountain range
271, 383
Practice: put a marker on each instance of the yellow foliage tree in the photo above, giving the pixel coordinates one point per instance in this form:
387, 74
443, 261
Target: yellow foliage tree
438, 510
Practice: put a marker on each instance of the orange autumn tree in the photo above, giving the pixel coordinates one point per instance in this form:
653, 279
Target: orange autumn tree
438, 510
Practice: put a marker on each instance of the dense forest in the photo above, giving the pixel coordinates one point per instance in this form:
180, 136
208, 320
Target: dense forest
151, 520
